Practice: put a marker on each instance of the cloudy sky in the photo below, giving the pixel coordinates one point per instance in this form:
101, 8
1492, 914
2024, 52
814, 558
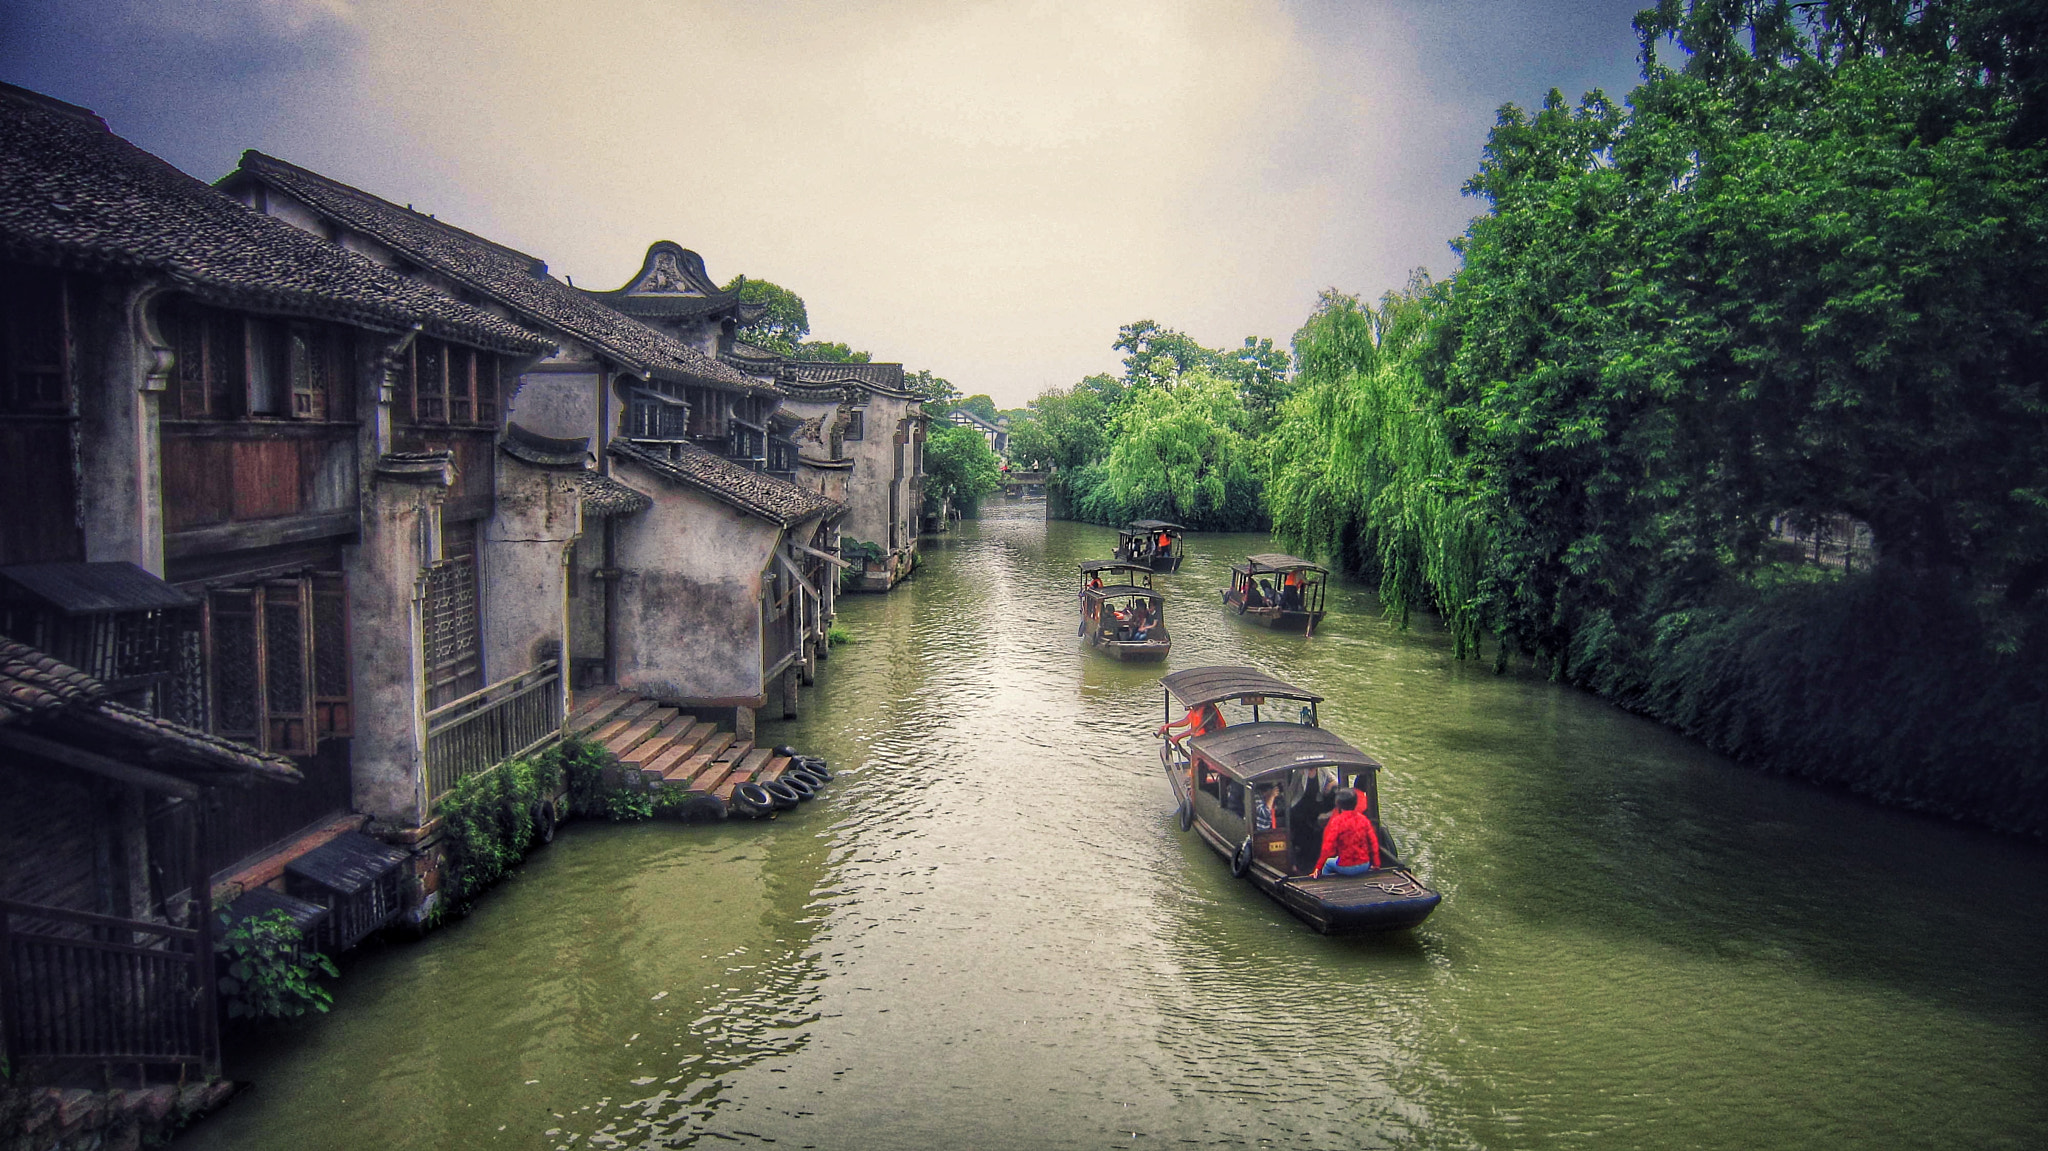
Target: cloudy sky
986, 190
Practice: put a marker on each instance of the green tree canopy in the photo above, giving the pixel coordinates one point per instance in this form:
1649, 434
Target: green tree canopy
958, 465
783, 325
1061, 430
1184, 455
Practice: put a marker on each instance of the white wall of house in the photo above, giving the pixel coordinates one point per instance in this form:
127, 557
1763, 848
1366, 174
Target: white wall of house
689, 602
525, 544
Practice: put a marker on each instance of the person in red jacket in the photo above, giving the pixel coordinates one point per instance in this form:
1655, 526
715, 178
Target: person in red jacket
1350, 845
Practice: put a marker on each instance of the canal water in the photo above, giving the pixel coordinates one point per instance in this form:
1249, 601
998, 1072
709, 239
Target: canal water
990, 933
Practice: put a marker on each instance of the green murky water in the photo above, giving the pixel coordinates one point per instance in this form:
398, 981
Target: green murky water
988, 933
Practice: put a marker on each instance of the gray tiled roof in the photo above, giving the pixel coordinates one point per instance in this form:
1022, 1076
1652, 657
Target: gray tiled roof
668, 307
513, 278
884, 377
772, 498
42, 691
76, 196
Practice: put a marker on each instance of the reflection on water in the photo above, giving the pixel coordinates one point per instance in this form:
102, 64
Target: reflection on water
990, 933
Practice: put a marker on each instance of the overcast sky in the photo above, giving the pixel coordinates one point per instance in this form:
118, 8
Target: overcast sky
985, 190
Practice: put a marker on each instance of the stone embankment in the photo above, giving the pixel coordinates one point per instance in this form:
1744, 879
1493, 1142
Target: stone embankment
78, 1119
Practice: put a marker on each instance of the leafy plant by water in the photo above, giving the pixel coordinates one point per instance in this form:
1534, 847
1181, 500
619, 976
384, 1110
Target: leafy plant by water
267, 971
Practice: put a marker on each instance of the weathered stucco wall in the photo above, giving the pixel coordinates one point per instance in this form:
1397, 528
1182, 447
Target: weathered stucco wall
689, 601
121, 508
385, 588
524, 544
556, 403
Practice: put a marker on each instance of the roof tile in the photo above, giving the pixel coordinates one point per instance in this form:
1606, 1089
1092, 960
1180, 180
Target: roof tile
75, 195
517, 280
770, 497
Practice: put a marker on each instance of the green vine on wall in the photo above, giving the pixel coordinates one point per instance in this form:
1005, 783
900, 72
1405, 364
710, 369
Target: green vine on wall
489, 820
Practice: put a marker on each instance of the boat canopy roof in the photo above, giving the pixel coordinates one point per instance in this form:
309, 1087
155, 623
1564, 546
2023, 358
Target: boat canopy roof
1153, 526
1250, 750
1090, 567
1199, 685
1277, 562
1123, 591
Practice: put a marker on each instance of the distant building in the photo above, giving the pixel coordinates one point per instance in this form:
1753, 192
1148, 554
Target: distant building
659, 601
997, 433
846, 431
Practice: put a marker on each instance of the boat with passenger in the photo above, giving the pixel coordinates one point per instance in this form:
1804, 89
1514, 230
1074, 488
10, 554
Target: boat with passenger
1281, 591
1260, 792
1121, 612
1154, 543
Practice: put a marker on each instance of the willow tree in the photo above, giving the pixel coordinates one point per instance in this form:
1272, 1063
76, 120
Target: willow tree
1182, 454
1363, 468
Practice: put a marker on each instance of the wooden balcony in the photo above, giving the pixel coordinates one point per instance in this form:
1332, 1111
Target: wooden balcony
485, 728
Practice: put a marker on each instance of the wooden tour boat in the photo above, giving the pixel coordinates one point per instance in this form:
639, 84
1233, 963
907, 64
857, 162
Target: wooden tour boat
1121, 612
1154, 543
1260, 792
1279, 591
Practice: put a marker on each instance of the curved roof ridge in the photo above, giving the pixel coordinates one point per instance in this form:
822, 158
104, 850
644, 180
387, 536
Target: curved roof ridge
515, 279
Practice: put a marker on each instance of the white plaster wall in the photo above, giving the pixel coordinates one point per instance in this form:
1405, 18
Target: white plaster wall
384, 587
558, 404
689, 601
524, 543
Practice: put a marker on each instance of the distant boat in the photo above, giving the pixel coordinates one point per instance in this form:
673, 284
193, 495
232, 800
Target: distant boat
1154, 543
1121, 612
1280, 591
1259, 793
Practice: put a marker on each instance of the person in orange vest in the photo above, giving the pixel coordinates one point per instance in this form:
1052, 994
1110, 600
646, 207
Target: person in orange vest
1290, 591
1200, 720
1165, 544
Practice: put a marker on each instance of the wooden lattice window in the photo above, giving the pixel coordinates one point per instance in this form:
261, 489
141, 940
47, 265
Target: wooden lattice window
452, 625
210, 362
430, 382
278, 652
35, 343
486, 388
452, 385
333, 707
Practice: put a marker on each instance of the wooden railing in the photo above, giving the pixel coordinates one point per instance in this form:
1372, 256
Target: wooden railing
95, 988
502, 721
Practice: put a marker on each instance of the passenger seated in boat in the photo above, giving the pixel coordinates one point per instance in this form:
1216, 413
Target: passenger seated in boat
1199, 721
1252, 598
1350, 845
1266, 813
1141, 620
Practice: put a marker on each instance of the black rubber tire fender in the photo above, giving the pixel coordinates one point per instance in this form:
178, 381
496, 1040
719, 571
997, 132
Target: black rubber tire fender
1241, 859
784, 795
544, 822
785, 749
815, 766
799, 783
799, 773
1187, 815
752, 799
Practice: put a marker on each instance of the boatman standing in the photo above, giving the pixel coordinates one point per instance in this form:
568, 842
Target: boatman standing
1350, 845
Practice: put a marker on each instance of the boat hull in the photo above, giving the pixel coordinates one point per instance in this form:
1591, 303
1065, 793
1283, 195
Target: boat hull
1384, 899
1279, 619
1135, 651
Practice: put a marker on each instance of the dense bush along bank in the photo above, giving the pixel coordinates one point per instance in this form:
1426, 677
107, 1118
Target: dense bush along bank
1796, 275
